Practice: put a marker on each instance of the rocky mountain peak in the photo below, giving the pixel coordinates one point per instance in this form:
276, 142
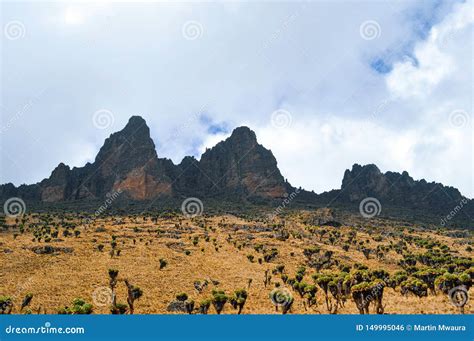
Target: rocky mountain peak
241, 165
243, 133
236, 168
128, 149
397, 189
60, 171
136, 124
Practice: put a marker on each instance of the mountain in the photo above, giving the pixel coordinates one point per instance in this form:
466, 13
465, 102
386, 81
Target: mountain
236, 169
401, 191
128, 162
396, 189
240, 165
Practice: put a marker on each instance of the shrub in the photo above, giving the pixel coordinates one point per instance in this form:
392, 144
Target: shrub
323, 280
429, 276
238, 299
26, 300
182, 297
189, 306
6, 305
366, 252
380, 274
470, 272
456, 286
219, 299
134, 293
119, 309
269, 255
113, 274
280, 268
337, 287
310, 294
308, 252
367, 292
79, 307
163, 263
407, 261
397, 278
415, 286
448, 281
282, 298
267, 278
300, 272
299, 287
204, 306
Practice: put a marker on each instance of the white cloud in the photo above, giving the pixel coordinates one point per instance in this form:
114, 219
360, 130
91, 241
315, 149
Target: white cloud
318, 148
211, 140
252, 59
433, 60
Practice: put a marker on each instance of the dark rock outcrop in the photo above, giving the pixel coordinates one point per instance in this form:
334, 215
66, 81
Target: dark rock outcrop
127, 162
396, 189
238, 168
239, 165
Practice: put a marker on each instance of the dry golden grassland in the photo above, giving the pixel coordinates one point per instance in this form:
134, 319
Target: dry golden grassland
219, 256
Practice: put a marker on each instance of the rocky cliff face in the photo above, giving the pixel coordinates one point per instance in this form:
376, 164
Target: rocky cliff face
396, 189
240, 165
237, 168
128, 162
55, 188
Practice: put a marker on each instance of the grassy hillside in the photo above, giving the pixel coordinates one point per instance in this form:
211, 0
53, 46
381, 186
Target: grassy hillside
60, 257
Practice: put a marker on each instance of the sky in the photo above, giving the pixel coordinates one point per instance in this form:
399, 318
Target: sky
324, 84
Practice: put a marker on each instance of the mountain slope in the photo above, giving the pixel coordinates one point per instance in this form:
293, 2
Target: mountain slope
237, 169
395, 188
240, 165
128, 162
